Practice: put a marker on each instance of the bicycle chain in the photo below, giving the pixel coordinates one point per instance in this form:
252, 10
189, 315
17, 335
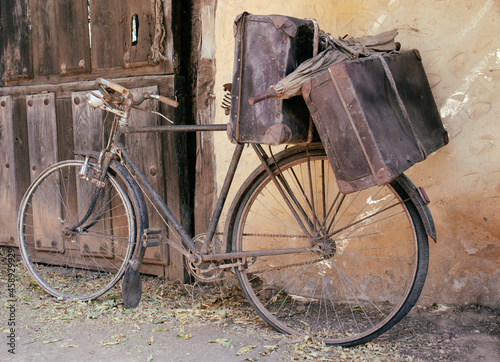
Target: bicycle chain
277, 236
286, 266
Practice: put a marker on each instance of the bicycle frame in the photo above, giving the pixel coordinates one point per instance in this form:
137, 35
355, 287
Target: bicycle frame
152, 194
190, 250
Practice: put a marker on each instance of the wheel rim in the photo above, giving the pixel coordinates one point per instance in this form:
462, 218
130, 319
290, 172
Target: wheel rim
358, 280
82, 263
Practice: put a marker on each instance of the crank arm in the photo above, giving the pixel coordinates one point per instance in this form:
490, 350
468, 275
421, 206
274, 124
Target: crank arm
177, 247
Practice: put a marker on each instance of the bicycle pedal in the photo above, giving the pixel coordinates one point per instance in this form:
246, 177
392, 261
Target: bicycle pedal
152, 231
151, 237
152, 243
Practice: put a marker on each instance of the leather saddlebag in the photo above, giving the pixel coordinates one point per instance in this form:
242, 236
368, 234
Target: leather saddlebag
267, 48
376, 117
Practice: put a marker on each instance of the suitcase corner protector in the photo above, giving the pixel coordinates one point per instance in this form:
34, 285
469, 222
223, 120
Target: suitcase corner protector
384, 175
345, 187
306, 89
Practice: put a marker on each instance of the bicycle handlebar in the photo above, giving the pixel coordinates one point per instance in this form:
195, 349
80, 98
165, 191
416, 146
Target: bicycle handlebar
163, 99
126, 92
114, 86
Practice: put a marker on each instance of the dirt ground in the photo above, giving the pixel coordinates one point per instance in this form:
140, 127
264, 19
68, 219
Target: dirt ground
176, 322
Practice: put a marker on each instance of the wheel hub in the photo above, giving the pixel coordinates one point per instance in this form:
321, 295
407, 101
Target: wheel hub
327, 247
70, 235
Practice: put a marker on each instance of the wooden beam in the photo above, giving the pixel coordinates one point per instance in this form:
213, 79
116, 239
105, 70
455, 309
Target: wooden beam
8, 191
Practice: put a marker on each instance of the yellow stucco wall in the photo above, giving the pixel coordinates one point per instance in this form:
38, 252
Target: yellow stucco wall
460, 45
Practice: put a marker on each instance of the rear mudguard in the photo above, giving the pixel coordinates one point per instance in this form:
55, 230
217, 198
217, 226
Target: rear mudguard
422, 208
135, 195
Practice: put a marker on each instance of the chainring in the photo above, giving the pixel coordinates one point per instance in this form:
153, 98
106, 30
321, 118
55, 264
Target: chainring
208, 271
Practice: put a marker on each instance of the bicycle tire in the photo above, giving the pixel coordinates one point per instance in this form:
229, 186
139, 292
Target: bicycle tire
87, 262
368, 263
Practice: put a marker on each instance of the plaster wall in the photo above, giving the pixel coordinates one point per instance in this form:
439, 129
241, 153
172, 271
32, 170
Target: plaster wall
460, 46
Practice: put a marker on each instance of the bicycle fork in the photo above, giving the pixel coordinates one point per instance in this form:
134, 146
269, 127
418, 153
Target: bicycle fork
96, 176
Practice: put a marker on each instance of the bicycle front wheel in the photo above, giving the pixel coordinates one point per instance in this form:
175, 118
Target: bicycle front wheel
65, 258
364, 255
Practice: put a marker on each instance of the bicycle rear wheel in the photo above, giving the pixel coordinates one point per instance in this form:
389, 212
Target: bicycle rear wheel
367, 258
82, 262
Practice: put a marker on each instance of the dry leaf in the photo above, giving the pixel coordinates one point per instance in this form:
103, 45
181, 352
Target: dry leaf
244, 350
223, 342
160, 330
53, 341
119, 340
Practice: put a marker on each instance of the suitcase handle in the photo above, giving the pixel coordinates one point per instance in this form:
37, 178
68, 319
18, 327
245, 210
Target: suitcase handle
270, 93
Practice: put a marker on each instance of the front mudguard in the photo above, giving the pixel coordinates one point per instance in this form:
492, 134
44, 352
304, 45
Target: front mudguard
135, 195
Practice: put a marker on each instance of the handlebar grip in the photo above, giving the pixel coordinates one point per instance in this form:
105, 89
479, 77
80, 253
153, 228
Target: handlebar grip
115, 86
270, 93
165, 100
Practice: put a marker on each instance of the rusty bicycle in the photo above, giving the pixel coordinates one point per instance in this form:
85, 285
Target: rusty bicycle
311, 260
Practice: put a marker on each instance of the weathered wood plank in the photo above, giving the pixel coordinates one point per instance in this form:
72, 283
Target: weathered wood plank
73, 38
114, 72
8, 191
21, 146
178, 192
146, 151
167, 84
44, 37
87, 124
107, 21
139, 33
65, 137
60, 37
88, 135
42, 132
15, 59
42, 139
205, 190
171, 10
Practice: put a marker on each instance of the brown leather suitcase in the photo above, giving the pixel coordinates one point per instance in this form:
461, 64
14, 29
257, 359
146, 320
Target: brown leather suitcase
267, 48
376, 117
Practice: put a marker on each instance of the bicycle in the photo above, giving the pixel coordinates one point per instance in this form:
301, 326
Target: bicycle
343, 268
